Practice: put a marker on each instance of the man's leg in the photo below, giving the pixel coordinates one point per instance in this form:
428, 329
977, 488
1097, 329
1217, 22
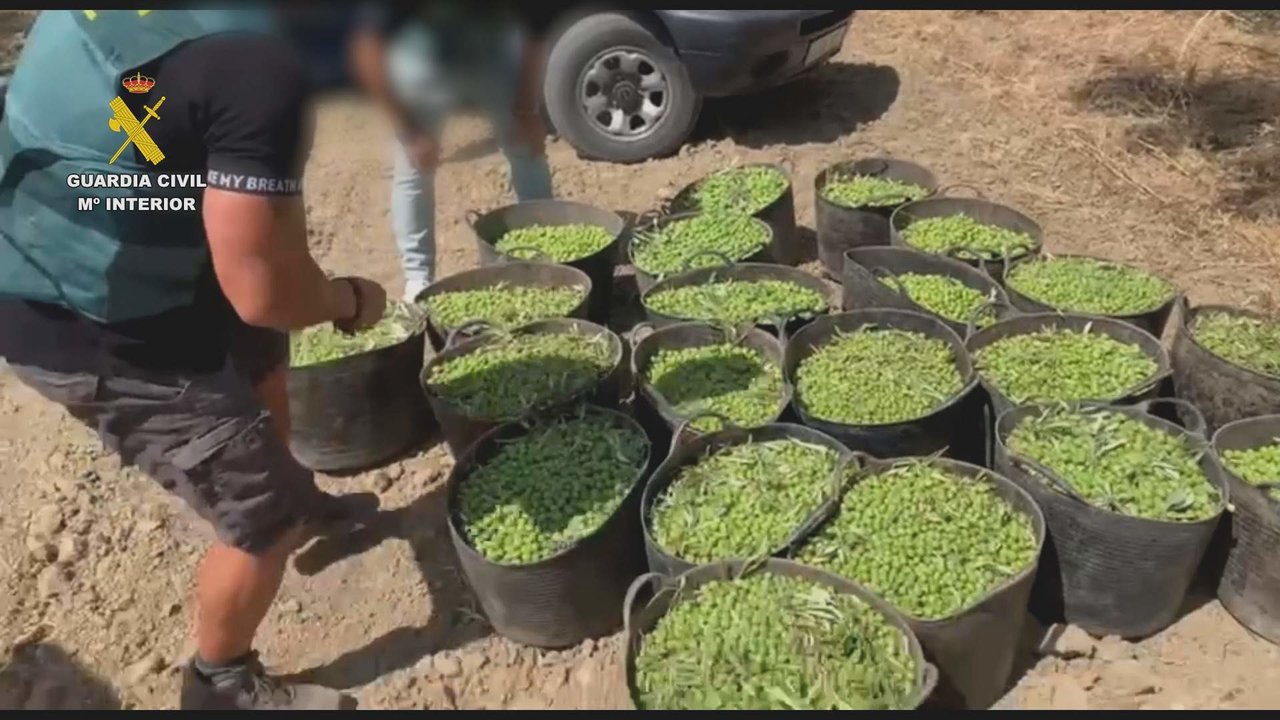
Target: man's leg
496, 93
421, 87
261, 355
530, 174
234, 590
413, 221
209, 440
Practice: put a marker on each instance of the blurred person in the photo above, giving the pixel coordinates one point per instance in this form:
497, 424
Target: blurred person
420, 62
166, 331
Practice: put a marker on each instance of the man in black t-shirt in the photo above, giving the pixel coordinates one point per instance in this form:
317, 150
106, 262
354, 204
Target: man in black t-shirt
422, 60
195, 395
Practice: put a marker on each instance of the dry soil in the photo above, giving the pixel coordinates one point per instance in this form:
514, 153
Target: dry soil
1142, 137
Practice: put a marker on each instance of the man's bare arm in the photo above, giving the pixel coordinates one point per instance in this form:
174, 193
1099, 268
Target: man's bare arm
266, 271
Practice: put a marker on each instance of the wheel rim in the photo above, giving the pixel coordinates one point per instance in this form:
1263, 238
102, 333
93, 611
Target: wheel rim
624, 94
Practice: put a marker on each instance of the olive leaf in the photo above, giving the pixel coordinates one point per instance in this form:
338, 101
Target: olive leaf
323, 343
560, 243
766, 641
1258, 466
742, 501
964, 237
1061, 364
748, 189
725, 379
512, 375
696, 241
869, 191
875, 376
1148, 472
502, 305
944, 296
1247, 341
550, 487
1088, 285
927, 539
735, 302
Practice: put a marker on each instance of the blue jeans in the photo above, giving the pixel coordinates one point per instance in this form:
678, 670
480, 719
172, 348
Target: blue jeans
430, 89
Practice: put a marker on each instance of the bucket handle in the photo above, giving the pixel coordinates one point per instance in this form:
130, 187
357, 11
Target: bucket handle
983, 264
467, 329
945, 189
641, 331
857, 458
829, 507
881, 273
884, 168
929, 681
1149, 384
657, 580
686, 424
897, 198
538, 254
1047, 475
778, 322
1197, 425
651, 217
1000, 306
988, 433
638, 333
724, 259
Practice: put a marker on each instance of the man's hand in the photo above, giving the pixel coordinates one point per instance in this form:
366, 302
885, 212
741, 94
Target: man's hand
362, 303
423, 151
529, 132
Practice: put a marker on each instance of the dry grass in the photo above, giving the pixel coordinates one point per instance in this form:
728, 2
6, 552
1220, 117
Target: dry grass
1144, 136
1226, 110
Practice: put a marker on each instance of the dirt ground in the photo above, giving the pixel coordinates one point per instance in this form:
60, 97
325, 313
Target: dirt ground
1143, 137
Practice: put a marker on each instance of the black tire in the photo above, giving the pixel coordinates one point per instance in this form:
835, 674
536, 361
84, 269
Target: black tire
576, 47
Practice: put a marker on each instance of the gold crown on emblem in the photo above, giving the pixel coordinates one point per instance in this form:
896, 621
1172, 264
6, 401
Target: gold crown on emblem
138, 83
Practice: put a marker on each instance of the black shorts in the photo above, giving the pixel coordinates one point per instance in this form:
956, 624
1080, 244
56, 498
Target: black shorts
201, 435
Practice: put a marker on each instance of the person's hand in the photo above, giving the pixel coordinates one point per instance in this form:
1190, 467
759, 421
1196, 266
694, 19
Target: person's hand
423, 151
361, 303
529, 132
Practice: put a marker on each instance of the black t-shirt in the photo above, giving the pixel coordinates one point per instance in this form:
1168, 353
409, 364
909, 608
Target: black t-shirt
236, 111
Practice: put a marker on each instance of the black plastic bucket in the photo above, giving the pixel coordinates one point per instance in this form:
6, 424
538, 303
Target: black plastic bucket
491, 226
983, 211
690, 452
510, 274
1250, 584
1222, 390
948, 428
993, 623
841, 227
749, 272
1108, 573
461, 430
641, 619
653, 411
646, 280
1116, 329
573, 595
1152, 321
779, 214
864, 268
356, 412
